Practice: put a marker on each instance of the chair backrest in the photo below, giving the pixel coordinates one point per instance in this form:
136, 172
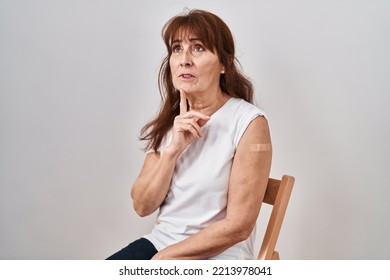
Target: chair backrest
277, 194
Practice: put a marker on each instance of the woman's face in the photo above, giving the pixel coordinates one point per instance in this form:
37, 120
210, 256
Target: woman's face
194, 68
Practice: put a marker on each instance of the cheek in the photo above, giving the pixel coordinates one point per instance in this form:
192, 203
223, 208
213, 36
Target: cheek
173, 68
213, 70
211, 66
172, 64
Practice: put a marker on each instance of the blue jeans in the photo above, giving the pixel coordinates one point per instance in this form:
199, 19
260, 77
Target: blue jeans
141, 249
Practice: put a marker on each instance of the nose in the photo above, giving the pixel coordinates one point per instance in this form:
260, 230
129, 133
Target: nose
186, 59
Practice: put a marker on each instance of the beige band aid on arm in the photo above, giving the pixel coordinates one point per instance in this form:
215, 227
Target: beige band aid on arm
260, 147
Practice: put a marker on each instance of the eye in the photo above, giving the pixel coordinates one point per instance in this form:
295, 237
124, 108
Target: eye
176, 48
198, 48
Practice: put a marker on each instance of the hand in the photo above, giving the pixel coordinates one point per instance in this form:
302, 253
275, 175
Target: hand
165, 254
157, 256
187, 125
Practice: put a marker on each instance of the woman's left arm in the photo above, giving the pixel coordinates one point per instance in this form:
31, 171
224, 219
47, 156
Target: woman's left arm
247, 184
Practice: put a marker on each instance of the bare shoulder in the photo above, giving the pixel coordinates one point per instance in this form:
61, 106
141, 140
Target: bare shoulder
254, 151
257, 133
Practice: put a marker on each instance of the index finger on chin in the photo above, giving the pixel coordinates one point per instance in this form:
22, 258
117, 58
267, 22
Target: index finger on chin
183, 102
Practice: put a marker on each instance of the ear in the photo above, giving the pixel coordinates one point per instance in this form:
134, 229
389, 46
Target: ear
223, 70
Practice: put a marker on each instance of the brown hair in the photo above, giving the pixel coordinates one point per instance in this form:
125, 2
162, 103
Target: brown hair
216, 37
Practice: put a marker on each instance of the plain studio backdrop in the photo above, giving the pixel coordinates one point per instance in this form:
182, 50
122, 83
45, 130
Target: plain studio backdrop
78, 80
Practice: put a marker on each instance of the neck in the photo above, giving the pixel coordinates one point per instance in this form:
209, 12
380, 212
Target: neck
209, 104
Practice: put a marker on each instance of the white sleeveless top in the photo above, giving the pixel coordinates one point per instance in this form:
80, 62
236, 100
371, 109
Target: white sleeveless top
199, 187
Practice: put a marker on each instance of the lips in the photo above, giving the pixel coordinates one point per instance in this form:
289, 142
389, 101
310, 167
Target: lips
186, 76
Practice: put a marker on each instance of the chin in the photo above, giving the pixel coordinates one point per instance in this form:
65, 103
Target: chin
187, 90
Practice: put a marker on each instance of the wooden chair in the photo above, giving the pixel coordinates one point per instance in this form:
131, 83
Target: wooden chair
277, 194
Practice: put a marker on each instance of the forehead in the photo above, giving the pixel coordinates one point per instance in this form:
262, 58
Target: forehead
184, 34
187, 34
188, 40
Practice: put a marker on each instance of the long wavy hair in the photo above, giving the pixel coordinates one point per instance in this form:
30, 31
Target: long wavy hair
217, 38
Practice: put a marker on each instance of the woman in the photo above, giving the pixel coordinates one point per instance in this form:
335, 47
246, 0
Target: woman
209, 150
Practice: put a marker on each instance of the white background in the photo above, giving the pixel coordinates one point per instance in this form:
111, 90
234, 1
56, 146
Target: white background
78, 80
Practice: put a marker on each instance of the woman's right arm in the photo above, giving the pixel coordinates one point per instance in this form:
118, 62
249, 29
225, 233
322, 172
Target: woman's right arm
152, 185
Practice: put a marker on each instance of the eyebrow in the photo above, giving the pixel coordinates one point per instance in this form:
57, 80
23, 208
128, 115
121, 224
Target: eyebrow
191, 40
